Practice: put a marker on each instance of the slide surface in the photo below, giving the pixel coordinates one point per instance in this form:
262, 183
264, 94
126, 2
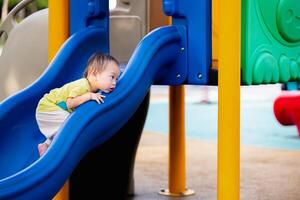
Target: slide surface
23, 175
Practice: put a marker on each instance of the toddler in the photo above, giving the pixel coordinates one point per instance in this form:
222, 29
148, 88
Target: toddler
101, 73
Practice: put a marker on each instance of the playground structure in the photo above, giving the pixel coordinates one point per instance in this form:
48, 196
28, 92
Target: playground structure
173, 55
14, 76
20, 36
286, 110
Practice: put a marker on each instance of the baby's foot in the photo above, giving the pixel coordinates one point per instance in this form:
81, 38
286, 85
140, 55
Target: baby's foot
42, 148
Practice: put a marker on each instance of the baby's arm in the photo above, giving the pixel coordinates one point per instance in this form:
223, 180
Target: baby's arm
76, 101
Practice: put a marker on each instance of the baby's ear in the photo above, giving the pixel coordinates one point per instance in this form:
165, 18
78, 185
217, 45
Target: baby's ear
94, 73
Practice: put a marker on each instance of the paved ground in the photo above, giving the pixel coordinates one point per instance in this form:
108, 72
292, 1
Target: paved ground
266, 174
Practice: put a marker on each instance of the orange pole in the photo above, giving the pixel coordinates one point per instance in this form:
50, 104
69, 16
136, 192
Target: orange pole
177, 170
177, 179
63, 194
215, 32
58, 22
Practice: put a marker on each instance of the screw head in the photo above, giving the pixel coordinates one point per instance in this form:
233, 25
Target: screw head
178, 76
182, 49
199, 75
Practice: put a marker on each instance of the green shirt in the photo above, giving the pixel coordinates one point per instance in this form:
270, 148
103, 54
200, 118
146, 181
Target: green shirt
53, 100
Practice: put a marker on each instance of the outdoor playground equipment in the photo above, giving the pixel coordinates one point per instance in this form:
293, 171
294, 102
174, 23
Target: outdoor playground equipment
171, 55
286, 106
26, 45
25, 50
287, 109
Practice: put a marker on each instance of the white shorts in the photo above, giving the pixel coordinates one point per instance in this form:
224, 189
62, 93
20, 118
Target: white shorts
49, 122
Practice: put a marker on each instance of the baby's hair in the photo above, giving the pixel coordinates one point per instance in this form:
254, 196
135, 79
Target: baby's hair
97, 63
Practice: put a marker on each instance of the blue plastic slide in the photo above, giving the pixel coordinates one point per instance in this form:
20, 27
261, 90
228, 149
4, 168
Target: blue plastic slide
23, 175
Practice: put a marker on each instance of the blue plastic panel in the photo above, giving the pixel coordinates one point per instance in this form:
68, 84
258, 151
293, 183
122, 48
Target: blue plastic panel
175, 73
195, 15
86, 13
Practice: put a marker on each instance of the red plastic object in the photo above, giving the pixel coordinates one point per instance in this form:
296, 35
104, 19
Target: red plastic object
287, 110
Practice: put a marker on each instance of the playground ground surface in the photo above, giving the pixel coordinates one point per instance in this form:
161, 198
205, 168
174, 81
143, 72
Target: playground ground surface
266, 174
267, 171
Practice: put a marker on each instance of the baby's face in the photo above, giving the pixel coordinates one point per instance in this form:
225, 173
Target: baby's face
106, 80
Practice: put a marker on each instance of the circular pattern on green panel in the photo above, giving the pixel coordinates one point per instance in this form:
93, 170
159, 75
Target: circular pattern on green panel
293, 69
267, 10
298, 64
282, 19
284, 63
288, 20
265, 69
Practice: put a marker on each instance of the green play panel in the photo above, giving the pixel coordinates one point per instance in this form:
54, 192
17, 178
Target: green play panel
270, 41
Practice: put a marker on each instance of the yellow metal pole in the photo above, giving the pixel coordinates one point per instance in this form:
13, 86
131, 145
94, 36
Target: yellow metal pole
177, 179
215, 32
229, 100
176, 140
58, 25
58, 22
63, 194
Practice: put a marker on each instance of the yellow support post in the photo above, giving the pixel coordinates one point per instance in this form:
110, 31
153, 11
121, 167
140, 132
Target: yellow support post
58, 25
215, 33
229, 100
177, 185
177, 179
58, 32
176, 140
63, 194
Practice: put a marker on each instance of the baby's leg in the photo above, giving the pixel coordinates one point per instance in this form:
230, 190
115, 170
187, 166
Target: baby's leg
42, 147
49, 123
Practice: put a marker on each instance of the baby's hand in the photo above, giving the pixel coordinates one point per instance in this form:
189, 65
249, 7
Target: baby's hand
97, 97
